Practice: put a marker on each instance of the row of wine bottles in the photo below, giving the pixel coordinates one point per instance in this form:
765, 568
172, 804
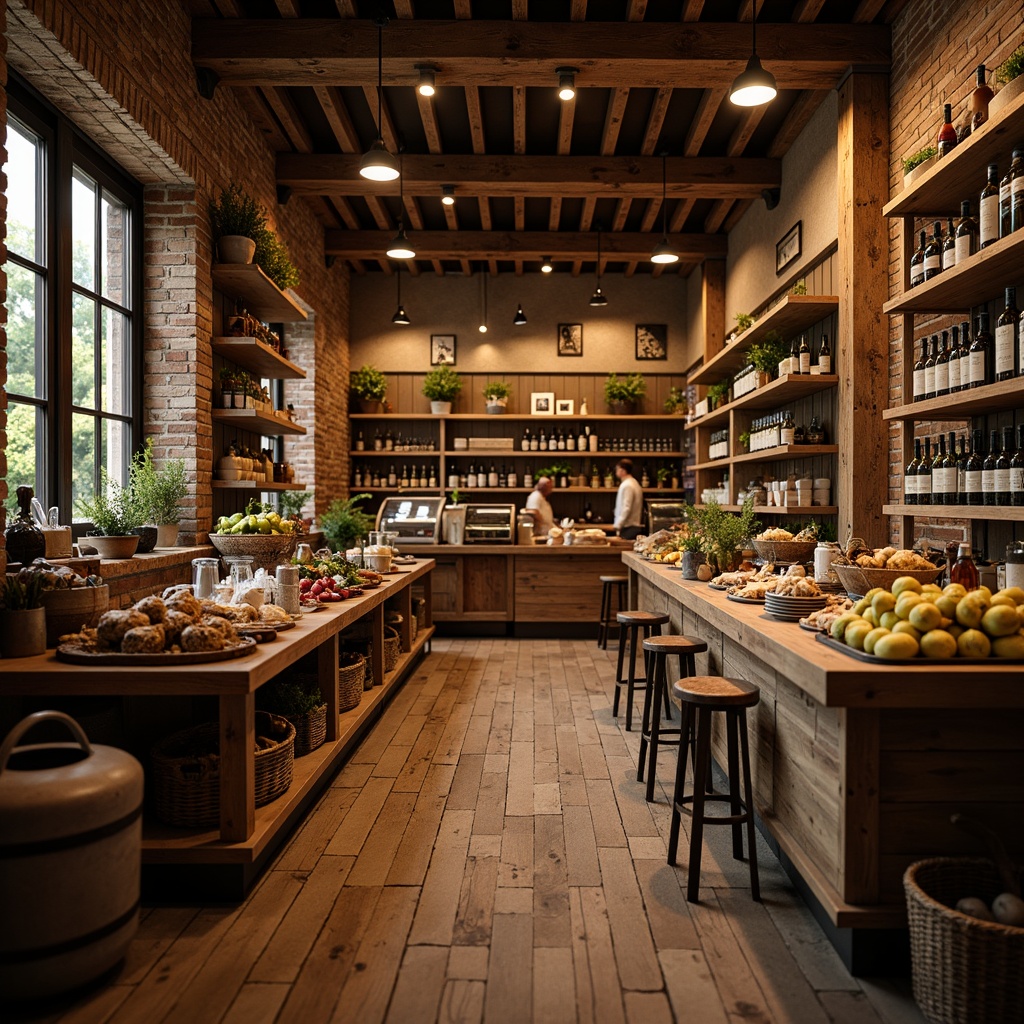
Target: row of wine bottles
975, 477
952, 360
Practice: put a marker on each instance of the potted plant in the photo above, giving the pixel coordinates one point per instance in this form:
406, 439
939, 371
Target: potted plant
271, 255
722, 533
115, 513
923, 159
369, 386
1010, 75
442, 386
766, 356
676, 404
160, 492
496, 395
692, 547
744, 321
343, 524
22, 617
664, 473
745, 440
300, 701
623, 393
718, 394
800, 288
237, 221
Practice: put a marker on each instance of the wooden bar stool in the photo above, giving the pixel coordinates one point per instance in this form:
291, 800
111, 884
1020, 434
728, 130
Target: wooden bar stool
631, 626
658, 650
607, 623
700, 696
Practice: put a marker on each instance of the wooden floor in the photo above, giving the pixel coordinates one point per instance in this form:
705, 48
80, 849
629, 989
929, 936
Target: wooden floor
487, 855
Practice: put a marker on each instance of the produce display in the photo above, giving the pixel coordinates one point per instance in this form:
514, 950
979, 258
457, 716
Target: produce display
326, 580
258, 518
913, 619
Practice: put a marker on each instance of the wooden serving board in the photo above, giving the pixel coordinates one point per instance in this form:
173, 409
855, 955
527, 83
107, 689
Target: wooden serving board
77, 656
872, 659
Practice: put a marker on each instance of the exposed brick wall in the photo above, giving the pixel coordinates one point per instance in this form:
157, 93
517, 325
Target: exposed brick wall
936, 45
122, 73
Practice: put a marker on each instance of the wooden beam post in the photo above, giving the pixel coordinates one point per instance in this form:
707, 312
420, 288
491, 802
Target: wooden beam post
862, 348
713, 307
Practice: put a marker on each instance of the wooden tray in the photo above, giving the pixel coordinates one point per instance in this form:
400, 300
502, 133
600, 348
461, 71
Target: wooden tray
838, 645
76, 656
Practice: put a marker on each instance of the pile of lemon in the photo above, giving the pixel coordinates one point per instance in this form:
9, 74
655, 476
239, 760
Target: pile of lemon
936, 623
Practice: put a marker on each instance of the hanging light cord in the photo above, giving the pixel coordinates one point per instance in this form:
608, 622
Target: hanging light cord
381, 22
599, 256
664, 193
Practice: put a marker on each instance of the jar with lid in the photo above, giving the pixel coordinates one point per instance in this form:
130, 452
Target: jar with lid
824, 555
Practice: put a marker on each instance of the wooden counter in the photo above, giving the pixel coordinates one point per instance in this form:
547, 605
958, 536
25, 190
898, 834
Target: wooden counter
520, 588
857, 767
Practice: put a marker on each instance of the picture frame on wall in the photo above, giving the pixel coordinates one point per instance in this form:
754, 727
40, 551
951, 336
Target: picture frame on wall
570, 339
565, 407
652, 341
542, 403
442, 350
787, 248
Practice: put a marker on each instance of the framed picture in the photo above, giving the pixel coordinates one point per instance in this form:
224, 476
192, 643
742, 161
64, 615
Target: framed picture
570, 339
565, 407
652, 341
787, 248
442, 350
542, 403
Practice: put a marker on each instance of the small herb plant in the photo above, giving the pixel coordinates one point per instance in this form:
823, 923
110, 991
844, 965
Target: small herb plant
918, 158
291, 699
630, 388
21, 595
291, 503
159, 491
1012, 67
744, 321
554, 471
722, 532
456, 497
343, 524
800, 288
745, 439
273, 259
718, 393
237, 213
768, 353
664, 473
369, 383
676, 400
115, 512
497, 389
442, 384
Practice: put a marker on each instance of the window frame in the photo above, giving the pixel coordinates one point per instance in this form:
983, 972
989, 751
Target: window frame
64, 149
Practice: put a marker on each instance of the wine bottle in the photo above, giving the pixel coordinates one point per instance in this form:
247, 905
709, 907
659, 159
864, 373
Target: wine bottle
947, 133
919, 380
988, 470
917, 261
392, 477
961, 473
924, 475
942, 367
973, 471
1006, 200
492, 476
1017, 470
1006, 338
910, 475
988, 229
543, 443
979, 100
794, 357
933, 253
981, 353
952, 471
786, 433
1017, 190
804, 354
525, 443
949, 246
1003, 468
954, 360
966, 233
965, 355
824, 356
929, 367
938, 483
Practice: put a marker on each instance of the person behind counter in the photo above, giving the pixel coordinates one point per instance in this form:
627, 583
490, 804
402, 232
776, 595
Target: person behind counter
539, 507
629, 502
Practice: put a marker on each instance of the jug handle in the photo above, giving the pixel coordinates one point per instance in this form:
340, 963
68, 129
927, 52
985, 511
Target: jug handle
173, 590
11, 741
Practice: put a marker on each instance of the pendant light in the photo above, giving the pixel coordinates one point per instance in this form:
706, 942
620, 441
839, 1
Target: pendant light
754, 86
566, 83
401, 317
519, 319
425, 86
399, 247
546, 266
662, 252
483, 319
448, 195
378, 164
598, 298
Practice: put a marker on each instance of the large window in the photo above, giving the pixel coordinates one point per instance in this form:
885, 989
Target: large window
73, 331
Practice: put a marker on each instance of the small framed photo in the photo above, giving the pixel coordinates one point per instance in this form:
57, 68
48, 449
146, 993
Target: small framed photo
565, 407
787, 248
442, 350
652, 341
570, 339
542, 403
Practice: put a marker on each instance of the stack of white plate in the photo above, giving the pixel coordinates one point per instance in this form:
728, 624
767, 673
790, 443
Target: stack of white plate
791, 609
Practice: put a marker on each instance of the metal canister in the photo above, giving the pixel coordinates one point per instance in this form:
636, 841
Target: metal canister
287, 580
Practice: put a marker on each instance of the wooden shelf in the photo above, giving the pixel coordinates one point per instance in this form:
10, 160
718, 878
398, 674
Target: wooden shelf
517, 417
383, 453
794, 313
514, 453
790, 510
1004, 394
425, 491
1000, 513
271, 424
254, 485
257, 293
790, 388
960, 175
968, 283
785, 451
258, 357
395, 416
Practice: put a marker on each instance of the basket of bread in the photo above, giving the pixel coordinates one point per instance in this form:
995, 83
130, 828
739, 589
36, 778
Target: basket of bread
780, 546
862, 568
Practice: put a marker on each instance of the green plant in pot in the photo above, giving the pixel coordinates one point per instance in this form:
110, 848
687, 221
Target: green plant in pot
766, 355
237, 221
718, 393
343, 523
272, 257
744, 321
496, 395
675, 404
1010, 75
370, 387
691, 544
722, 532
918, 158
442, 386
22, 617
623, 394
160, 491
115, 512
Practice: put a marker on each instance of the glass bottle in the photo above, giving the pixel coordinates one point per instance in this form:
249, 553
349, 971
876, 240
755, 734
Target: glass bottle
946, 141
916, 265
1017, 470
938, 480
979, 100
949, 246
1006, 196
964, 571
360, 443
794, 357
953, 365
942, 367
933, 253
804, 355
1017, 191
973, 472
988, 228
1006, 453
910, 475
929, 366
1006, 338
534, 443
919, 385
524, 445
952, 471
966, 233
786, 434
961, 473
824, 356
988, 470
542, 444
980, 353
392, 476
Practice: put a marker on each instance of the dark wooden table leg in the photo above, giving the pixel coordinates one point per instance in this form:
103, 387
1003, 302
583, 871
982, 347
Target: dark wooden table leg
237, 767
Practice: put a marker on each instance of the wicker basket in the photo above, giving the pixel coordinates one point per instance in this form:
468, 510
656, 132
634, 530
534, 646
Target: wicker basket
859, 581
392, 648
185, 787
966, 971
785, 550
351, 673
310, 730
364, 648
267, 550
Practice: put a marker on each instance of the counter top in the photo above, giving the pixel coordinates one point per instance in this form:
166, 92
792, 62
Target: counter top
831, 677
616, 547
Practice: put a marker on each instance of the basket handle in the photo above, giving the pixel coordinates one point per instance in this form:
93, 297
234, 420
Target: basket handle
11, 741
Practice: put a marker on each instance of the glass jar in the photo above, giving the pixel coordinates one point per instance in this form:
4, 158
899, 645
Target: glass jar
1015, 564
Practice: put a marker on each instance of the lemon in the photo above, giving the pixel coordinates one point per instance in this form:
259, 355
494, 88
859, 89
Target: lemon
926, 616
905, 584
858, 608
868, 615
937, 643
889, 620
905, 602
1009, 646
972, 643
839, 626
856, 633
931, 591
874, 590
908, 629
1002, 599
1015, 592
883, 602
1000, 620
947, 605
896, 646
983, 590
969, 610
873, 637
956, 590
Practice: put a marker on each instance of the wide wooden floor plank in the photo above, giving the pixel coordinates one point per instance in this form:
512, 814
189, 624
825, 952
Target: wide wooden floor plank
691, 988
667, 910
634, 947
378, 852
356, 825
439, 899
849, 1008
554, 994
605, 986
516, 868
509, 998
476, 902
550, 883
462, 1003
256, 1003
580, 847
490, 813
420, 984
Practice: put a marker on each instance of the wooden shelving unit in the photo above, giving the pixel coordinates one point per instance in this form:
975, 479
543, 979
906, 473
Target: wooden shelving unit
258, 357
270, 423
998, 513
790, 388
787, 451
255, 485
649, 492
1004, 394
788, 510
514, 417
247, 283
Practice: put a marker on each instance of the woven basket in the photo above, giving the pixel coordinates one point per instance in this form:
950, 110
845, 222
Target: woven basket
364, 648
310, 730
186, 787
267, 550
392, 648
351, 673
856, 580
785, 550
966, 971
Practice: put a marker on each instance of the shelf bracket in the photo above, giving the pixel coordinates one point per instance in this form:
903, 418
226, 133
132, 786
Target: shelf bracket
206, 82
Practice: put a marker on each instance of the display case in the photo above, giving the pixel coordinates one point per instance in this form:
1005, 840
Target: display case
490, 524
416, 519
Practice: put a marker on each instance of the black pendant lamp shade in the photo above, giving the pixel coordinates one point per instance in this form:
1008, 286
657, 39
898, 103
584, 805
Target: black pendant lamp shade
598, 298
520, 318
399, 247
401, 317
754, 86
378, 164
662, 252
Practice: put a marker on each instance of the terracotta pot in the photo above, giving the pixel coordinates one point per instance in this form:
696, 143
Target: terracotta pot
622, 408
167, 535
115, 547
22, 632
690, 562
369, 405
236, 249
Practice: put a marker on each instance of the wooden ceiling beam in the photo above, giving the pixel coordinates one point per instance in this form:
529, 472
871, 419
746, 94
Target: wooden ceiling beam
692, 9
567, 176
868, 10
317, 51
807, 10
702, 119
635, 10
524, 245
578, 10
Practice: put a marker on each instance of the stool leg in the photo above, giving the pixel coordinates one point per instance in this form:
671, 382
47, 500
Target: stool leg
634, 633
618, 673
732, 742
755, 888
620, 607
697, 821
679, 789
658, 684
602, 617
646, 728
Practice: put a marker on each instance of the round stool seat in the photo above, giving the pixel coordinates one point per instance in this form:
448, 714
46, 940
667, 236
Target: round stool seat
716, 691
641, 618
674, 645
613, 579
